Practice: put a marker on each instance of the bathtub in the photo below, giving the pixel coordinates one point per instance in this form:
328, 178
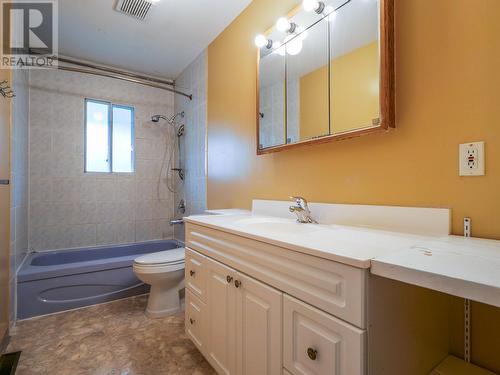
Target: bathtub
58, 280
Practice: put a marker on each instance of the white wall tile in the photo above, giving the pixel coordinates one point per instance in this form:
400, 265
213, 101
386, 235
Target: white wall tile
125, 232
70, 208
105, 189
193, 146
144, 230
106, 234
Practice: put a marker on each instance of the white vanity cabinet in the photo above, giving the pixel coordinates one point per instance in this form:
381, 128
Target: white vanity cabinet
262, 309
317, 343
240, 324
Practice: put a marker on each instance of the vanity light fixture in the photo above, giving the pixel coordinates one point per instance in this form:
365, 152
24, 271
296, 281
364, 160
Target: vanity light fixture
261, 41
285, 26
313, 5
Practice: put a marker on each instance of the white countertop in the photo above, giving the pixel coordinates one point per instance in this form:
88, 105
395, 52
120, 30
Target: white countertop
228, 211
355, 246
464, 267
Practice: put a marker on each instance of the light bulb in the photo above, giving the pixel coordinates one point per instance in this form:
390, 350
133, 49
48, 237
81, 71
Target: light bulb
282, 24
293, 45
260, 41
310, 5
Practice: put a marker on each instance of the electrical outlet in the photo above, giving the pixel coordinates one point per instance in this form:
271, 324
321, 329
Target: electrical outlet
471, 159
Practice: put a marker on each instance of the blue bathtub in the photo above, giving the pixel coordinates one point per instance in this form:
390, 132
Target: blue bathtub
60, 280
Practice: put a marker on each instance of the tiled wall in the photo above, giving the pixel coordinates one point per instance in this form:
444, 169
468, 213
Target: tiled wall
70, 208
193, 144
272, 107
19, 179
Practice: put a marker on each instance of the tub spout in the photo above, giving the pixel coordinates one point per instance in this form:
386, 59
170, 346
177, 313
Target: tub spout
177, 222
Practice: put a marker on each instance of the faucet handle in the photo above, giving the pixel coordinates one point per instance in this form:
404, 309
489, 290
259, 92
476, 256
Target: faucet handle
300, 201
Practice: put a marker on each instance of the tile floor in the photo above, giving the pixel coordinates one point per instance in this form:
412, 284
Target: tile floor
110, 339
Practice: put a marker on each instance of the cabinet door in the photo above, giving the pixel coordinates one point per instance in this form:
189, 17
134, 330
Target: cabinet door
258, 322
196, 321
221, 317
316, 343
196, 274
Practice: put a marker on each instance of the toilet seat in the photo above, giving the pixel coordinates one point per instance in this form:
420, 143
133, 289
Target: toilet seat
161, 258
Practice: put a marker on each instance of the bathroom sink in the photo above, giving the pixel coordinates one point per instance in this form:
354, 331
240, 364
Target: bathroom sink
276, 225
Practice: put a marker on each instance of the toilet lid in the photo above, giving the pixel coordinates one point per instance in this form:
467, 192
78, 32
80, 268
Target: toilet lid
162, 257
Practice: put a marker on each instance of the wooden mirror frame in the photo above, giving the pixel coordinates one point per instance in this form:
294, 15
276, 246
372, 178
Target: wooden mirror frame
387, 89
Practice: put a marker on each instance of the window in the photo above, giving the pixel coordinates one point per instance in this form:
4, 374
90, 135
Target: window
109, 137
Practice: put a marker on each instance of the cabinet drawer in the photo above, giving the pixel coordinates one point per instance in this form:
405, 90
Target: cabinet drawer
196, 274
318, 343
333, 287
196, 325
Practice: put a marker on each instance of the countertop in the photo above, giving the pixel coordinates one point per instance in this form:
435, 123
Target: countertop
355, 246
464, 267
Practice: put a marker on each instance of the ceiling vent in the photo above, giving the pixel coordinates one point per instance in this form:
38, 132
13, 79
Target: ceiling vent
136, 8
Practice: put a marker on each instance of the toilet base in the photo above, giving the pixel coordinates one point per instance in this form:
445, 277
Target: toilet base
161, 313
164, 300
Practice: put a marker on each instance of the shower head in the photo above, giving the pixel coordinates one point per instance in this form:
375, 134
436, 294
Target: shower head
170, 121
156, 118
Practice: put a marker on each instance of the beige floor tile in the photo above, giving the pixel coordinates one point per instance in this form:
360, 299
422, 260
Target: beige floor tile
110, 339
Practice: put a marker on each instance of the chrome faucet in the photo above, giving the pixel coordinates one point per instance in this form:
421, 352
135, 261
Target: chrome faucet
302, 210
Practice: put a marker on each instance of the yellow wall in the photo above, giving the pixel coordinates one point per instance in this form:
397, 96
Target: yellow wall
354, 94
447, 80
354, 89
314, 111
447, 59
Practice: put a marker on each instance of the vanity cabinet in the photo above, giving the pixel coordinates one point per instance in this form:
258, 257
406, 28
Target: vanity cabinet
239, 330
262, 309
196, 320
318, 343
221, 316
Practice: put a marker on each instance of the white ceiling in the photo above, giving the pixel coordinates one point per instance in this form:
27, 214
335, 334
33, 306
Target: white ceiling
172, 35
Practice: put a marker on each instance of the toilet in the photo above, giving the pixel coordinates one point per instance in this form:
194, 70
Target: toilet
164, 271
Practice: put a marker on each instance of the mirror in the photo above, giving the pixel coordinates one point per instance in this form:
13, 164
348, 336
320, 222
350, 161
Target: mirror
326, 74
307, 83
271, 114
354, 67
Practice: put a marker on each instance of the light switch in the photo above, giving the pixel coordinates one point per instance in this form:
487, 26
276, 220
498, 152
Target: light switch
471, 159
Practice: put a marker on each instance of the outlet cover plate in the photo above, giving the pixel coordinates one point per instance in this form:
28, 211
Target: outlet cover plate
471, 159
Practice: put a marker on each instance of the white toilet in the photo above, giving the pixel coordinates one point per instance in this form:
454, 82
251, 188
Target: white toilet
164, 271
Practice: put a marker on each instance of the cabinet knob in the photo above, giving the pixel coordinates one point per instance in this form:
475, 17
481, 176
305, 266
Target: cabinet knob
229, 279
191, 320
312, 353
237, 283
192, 273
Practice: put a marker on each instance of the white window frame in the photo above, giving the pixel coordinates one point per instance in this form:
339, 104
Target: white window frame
111, 106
